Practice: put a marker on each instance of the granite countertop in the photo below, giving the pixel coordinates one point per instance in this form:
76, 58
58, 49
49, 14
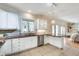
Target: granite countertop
56, 36
19, 36
27, 35
22, 35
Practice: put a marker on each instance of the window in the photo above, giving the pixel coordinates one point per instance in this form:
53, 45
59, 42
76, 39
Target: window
63, 30
24, 26
27, 26
53, 29
58, 30
31, 26
38, 24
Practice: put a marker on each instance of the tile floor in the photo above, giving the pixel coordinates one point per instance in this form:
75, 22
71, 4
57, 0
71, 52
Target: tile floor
46, 50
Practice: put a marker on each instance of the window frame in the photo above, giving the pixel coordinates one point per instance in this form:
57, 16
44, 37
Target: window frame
59, 30
28, 21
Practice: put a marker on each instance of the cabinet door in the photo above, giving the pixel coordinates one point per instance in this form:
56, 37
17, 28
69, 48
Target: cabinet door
56, 41
3, 19
28, 42
23, 43
32, 42
46, 39
6, 48
12, 21
15, 45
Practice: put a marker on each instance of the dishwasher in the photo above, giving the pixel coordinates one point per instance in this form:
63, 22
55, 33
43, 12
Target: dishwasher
40, 40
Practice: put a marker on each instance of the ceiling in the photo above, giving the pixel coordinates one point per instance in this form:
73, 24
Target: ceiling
64, 11
34, 7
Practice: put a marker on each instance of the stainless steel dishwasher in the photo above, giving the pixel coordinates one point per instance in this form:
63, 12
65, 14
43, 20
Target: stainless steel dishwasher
40, 40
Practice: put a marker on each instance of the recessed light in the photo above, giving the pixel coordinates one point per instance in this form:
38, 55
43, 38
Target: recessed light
29, 11
28, 15
53, 21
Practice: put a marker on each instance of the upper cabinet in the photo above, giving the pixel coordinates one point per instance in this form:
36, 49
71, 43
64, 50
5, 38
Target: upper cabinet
3, 19
8, 20
12, 21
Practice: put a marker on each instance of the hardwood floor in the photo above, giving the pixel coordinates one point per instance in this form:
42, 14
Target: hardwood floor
70, 48
49, 50
46, 50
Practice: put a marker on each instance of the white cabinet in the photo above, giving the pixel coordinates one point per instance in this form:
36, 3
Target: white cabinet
18, 44
8, 20
33, 41
46, 39
6, 48
3, 19
15, 45
10, 46
23, 43
28, 42
12, 21
56, 41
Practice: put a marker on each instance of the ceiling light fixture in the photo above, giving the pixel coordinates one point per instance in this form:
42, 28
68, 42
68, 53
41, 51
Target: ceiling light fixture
53, 21
28, 15
29, 11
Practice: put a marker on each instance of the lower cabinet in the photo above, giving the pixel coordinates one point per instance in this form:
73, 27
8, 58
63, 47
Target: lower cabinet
22, 43
56, 41
6, 48
25, 43
46, 39
18, 44
33, 42
28, 42
15, 45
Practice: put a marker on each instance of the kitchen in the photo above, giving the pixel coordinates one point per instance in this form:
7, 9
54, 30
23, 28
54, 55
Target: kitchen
20, 31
